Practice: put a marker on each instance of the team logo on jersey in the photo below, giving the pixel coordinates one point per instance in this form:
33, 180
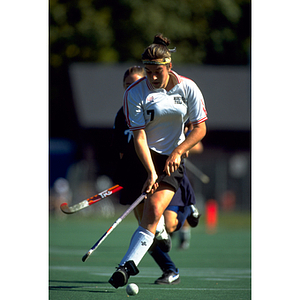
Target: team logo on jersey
150, 98
178, 99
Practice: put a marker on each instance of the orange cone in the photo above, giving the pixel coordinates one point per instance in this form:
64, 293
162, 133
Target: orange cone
211, 206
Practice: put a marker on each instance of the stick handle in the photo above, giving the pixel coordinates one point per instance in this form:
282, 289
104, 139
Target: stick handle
119, 220
115, 224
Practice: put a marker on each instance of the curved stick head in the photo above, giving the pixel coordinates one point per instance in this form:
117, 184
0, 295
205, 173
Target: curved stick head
85, 257
65, 208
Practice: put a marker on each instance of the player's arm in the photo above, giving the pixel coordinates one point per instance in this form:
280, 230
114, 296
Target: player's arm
198, 148
143, 152
195, 136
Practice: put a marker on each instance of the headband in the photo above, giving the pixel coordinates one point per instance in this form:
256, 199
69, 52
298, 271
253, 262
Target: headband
158, 61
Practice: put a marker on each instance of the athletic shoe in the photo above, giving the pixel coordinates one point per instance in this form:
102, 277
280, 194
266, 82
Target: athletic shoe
164, 241
121, 276
168, 277
193, 218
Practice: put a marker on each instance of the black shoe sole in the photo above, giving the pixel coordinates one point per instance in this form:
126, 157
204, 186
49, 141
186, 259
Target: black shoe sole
119, 278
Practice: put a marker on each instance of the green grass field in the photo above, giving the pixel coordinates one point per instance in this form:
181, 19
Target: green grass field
216, 266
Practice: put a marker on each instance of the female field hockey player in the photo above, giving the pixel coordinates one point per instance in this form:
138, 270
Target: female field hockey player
156, 108
181, 206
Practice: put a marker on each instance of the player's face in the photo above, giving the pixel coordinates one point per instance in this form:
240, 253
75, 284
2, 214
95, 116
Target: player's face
130, 79
158, 75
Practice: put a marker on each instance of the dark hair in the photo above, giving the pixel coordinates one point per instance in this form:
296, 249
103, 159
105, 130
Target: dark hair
158, 49
134, 70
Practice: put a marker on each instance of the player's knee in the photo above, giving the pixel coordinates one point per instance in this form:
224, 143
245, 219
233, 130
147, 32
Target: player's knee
171, 221
171, 224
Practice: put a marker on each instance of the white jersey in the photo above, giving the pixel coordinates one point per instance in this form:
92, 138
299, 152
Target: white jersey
162, 114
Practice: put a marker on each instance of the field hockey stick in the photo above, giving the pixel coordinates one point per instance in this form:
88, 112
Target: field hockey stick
115, 224
85, 203
198, 173
119, 220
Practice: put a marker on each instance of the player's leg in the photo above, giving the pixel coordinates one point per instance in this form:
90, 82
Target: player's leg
171, 219
154, 207
170, 272
184, 236
188, 196
175, 216
138, 212
143, 237
162, 238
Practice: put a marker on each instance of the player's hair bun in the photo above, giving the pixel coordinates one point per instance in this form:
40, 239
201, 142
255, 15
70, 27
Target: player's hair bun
158, 49
161, 40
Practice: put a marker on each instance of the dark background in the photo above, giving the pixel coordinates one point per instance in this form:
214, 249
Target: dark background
210, 36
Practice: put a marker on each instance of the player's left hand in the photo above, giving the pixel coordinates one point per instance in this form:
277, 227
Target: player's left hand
172, 163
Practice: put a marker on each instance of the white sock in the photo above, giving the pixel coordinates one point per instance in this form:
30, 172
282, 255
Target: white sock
161, 224
140, 242
161, 232
185, 233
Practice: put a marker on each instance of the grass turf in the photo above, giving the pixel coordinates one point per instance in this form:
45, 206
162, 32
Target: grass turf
216, 266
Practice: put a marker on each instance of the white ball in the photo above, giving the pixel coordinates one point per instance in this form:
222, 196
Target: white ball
132, 289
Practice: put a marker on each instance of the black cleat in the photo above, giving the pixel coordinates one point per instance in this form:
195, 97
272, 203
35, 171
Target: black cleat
193, 218
131, 268
121, 276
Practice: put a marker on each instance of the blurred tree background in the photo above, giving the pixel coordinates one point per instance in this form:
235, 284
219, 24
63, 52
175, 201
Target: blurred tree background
215, 32
205, 32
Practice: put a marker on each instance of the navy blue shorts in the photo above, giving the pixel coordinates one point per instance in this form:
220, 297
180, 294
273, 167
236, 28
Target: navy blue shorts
184, 195
174, 180
131, 174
